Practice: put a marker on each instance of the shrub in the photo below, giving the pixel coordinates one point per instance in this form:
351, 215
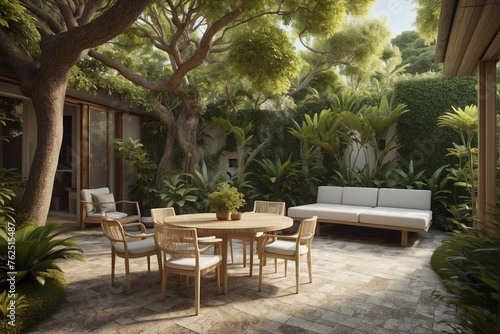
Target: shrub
43, 301
32, 250
427, 99
469, 267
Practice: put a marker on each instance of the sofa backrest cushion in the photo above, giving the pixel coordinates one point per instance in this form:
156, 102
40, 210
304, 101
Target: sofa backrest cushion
405, 198
329, 195
360, 196
86, 196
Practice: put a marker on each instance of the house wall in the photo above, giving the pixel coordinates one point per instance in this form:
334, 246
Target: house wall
69, 175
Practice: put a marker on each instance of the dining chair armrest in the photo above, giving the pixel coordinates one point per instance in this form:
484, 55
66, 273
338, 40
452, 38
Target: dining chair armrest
142, 234
208, 243
288, 237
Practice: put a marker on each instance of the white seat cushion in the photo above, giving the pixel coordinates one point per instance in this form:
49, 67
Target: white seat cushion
116, 215
401, 217
285, 248
189, 263
141, 246
339, 212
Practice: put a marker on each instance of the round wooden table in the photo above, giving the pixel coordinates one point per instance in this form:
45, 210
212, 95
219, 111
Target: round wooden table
250, 223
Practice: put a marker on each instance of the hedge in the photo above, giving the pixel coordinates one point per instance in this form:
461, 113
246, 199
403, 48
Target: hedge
426, 99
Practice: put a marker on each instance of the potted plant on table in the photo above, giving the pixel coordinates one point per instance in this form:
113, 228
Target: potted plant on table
224, 200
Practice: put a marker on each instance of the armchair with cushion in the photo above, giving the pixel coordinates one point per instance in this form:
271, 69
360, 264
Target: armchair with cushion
98, 201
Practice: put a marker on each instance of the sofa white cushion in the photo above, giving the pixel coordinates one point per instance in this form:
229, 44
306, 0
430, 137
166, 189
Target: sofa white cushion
329, 194
360, 196
400, 217
347, 213
405, 198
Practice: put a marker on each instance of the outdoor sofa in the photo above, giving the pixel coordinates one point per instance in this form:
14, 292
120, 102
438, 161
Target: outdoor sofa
405, 210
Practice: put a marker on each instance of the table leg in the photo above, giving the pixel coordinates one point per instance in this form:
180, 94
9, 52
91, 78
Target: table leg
224, 263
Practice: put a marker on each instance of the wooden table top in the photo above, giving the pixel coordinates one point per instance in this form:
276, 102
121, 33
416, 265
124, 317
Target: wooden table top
250, 223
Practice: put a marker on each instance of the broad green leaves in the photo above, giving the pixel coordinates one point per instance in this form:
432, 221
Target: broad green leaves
36, 250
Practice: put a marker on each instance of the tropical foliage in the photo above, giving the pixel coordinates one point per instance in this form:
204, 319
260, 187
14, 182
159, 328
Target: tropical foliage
36, 250
465, 123
143, 170
468, 264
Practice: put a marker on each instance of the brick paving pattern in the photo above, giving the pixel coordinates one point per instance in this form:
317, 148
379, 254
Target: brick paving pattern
363, 282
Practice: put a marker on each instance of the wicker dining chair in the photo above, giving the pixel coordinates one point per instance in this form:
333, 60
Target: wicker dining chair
181, 255
291, 248
159, 214
258, 207
128, 245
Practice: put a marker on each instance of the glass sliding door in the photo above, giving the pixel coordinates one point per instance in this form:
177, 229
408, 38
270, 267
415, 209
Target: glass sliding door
101, 155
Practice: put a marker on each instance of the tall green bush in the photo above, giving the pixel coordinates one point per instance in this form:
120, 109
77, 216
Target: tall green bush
470, 269
426, 99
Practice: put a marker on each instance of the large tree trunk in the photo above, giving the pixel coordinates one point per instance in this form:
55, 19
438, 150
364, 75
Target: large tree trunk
167, 118
187, 129
48, 100
68, 29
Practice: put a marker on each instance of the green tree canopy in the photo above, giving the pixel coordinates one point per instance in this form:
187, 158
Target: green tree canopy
416, 53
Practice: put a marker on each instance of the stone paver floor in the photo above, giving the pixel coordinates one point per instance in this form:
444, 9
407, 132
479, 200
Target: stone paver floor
363, 282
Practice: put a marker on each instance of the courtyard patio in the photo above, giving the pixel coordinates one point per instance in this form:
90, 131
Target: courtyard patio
363, 282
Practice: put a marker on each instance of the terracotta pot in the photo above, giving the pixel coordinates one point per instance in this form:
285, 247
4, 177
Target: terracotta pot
223, 215
235, 216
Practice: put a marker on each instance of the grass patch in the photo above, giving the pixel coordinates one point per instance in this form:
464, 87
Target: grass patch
42, 301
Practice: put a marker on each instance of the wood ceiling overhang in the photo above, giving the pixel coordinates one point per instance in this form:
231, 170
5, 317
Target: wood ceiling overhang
469, 32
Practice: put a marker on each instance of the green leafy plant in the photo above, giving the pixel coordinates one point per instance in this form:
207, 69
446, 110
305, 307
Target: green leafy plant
175, 192
469, 267
410, 179
465, 123
36, 250
278, 179
226, 197
145, 190
204, 183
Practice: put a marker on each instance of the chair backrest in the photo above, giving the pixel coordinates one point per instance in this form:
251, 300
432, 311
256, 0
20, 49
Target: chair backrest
113, 230
177, 242
86, 196
158, 214
306, 230
269, 207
